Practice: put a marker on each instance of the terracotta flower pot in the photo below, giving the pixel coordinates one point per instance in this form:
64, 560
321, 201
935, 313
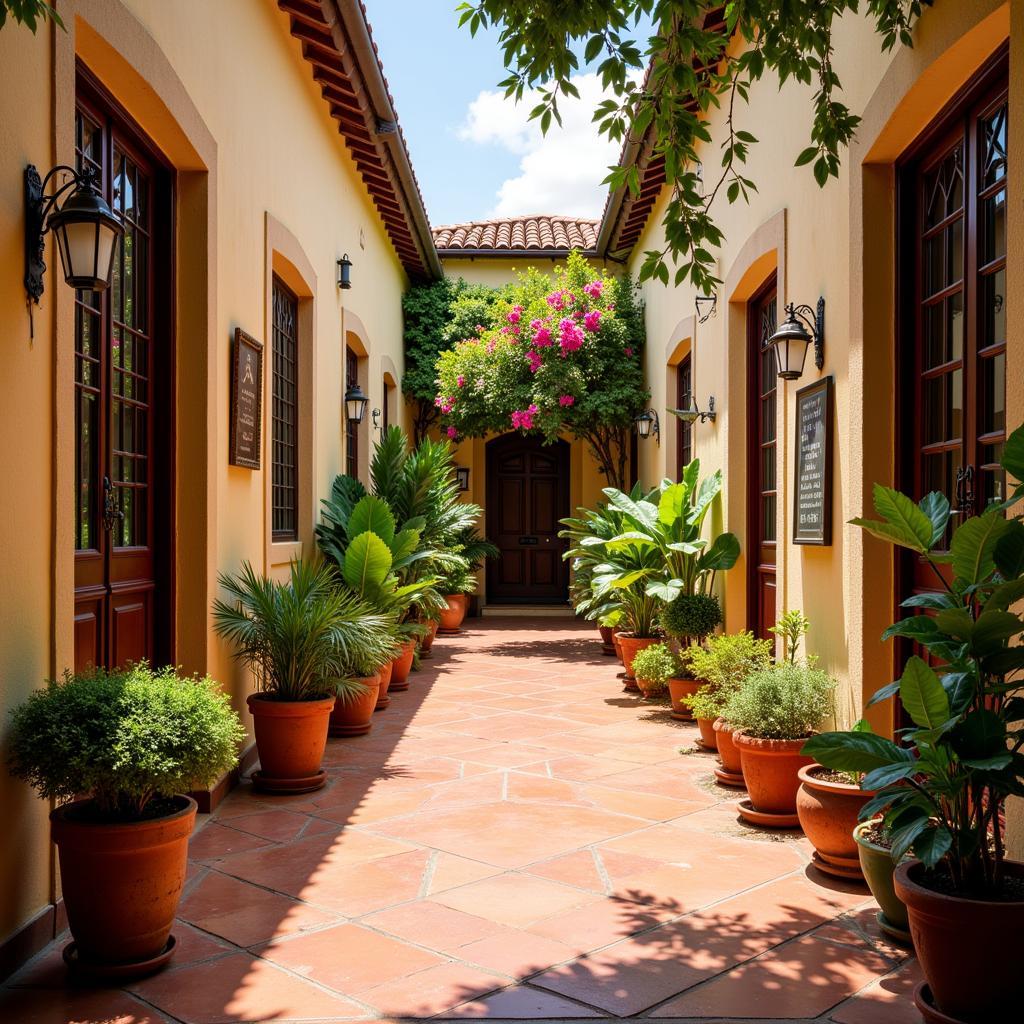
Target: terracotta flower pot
607, 641
401, 667
728, 752
290, 737
617, 644
353, 715
771, 771
828, 813
648, 688
680, 688
708, 736
878, 868
427, 641
970, 950
452, 616
631, 646
121, 883
384, 679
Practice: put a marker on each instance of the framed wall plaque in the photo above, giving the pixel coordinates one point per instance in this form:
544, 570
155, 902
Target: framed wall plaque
812, 486
246, 401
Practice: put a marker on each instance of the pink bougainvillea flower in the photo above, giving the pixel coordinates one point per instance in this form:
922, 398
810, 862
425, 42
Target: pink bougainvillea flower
534, 359
480, 328
565, 400
542, 338
570, 336
438, 400
556, 300
629, 351
593, 289
535, 324
460, 381
452, 433
490, 347
514, 316
592, 320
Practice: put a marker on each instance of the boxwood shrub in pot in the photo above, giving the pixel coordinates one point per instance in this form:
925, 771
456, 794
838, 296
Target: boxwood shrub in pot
943, 787
118, 750
654, 666
722, 662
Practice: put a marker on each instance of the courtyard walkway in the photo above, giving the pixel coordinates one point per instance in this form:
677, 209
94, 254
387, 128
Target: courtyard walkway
516, 838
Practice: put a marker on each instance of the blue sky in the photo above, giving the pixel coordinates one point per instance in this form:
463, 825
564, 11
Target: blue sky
474, 153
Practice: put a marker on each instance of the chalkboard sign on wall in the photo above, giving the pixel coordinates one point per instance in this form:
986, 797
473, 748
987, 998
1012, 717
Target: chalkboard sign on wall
246, 401
812, 490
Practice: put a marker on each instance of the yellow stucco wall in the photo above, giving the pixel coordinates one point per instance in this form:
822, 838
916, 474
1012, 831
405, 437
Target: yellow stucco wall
265, 185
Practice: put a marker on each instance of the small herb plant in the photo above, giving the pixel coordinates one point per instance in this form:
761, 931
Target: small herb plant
792, 627
784, 702
128, 739
723, 662
655, 665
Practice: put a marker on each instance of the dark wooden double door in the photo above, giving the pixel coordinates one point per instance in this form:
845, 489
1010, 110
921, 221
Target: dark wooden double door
123, 427
527, 495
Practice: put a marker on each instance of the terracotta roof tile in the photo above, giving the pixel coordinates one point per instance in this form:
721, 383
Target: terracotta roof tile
540, 233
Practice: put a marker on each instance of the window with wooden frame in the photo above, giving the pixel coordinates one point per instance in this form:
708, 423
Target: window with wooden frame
385, 405
285, 414
684, 430
351, 426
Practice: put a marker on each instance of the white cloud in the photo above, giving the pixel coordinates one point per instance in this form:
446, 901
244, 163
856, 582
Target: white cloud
558, 173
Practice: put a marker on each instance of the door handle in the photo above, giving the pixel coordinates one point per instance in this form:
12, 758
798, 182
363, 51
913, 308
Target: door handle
528, 540
964, 495
112, 511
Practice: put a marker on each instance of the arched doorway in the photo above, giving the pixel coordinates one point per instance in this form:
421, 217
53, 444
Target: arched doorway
527, 494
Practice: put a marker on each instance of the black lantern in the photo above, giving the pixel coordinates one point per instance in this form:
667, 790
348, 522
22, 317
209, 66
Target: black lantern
84, 225
647, 423
355, 404
345, 272
707, 307
462, 477
692, 412
794, 336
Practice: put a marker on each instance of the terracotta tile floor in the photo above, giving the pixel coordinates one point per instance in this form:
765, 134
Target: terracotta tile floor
516, 839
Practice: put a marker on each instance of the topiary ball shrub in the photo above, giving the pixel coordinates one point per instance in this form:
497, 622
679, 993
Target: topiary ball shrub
691, 615
129, 739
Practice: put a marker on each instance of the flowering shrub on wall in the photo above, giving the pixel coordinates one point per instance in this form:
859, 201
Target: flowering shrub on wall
555, 355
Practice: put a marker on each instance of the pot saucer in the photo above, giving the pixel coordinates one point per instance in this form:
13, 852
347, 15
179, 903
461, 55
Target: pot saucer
925, 1003
399, 687
111, 972
727, 778
700, 744
851, 873
449, 632
681, 716
629, 685
341, 731
764, 818
608, 652
894, 931
382, 703
306, 785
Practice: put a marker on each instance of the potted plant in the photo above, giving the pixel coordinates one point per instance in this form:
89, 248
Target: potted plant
828, 805
688, 620
943, 788
654, 666
297, 638
122, 748
459, 581
722, 663
607, 626
773, 712
874, 849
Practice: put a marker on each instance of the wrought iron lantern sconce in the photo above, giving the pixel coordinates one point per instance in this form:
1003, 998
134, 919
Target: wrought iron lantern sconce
648, 424
793, 337
707, 307
375, 415
355, 404
345, 272
84, 226
462, 477
693, 412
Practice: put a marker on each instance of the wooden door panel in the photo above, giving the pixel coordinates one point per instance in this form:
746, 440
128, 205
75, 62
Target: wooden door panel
544, 508
131, 628
89, 645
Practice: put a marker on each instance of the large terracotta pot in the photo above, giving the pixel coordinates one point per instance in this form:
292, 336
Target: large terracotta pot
878, 868
728, 752
353, 715
121, 883
290, 737
828, 813
454, 613
771, 771
649, 689
607, 641
680, 688
401, 667
427, 641
708, 736
631, 646
617, 644
970, 950
384, 679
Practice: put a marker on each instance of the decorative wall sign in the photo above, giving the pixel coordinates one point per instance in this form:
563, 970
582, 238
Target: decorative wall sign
246, 401
812, 489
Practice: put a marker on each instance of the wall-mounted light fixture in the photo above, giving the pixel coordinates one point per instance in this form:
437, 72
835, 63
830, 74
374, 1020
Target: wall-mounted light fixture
707, 307
692, 412
647, 423
84, 226
462, 476
345, 272
355, 404
793, 337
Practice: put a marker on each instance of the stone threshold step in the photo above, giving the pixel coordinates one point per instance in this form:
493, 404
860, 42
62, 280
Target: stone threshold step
533, 611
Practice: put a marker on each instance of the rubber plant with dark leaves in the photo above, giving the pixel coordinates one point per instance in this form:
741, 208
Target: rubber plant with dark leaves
943, 787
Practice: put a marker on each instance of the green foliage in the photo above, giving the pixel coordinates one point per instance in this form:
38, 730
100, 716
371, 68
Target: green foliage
124, 738
655, 665
792, 627
554, 355
781, 702
723, 662
943, 789
28, 13
541, 42
691, 616
304, 639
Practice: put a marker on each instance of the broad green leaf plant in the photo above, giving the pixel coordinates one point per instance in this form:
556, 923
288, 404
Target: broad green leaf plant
943, 785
